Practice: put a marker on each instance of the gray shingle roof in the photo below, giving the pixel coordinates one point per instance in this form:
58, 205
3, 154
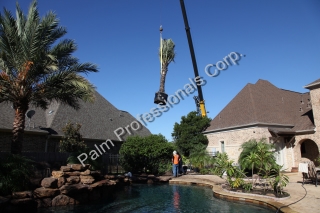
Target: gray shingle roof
265, 104
98, 119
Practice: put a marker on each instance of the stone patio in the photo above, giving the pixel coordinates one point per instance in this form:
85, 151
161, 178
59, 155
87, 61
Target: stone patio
308, 204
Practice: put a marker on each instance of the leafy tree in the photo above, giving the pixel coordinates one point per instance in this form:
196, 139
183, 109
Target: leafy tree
36, 68
15, 174
146, 153
166, 55
72, 140
188, 134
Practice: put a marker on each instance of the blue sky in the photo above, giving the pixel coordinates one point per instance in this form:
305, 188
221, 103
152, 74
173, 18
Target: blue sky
280, 38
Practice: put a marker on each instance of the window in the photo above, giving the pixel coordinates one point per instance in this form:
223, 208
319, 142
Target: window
222, 146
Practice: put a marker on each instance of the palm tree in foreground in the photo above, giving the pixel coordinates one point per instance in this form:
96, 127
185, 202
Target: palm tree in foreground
166, 56
36, 69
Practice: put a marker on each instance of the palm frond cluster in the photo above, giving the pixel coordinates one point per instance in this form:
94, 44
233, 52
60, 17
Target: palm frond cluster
35, 66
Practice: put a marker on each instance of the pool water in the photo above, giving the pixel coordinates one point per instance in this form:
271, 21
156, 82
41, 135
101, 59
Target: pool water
162, 198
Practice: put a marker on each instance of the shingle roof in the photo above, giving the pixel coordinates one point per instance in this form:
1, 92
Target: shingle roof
265, 104
316, 83
98, 119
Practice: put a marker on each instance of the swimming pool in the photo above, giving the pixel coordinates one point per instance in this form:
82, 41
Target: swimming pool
162, 198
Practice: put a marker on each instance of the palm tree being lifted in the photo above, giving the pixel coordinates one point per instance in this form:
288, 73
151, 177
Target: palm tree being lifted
166, 55
35, 70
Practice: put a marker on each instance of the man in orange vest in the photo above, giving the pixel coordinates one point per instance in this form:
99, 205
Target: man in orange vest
175, 163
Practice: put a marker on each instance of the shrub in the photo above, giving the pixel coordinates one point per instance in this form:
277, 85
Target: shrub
152, 153
15, 174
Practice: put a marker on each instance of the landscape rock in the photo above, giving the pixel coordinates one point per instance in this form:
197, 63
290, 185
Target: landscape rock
45, 202
86, 179
57, 174
49, 182
62, 200
75, 173
79, 167
45, 192
21, 195
111, 177
73, 179
73, 189
95, 194
87, 172
66, 169
61, 181
25, 203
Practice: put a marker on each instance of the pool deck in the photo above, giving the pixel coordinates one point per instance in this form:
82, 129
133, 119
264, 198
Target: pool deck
308, 204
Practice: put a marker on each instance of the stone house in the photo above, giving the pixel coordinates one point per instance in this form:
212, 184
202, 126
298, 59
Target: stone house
290, 120
43, 130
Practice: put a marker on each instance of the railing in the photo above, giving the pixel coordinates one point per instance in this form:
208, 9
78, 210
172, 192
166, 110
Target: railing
110, 162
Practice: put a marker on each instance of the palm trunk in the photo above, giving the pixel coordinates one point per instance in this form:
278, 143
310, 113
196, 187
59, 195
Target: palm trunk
18, 127
163, 77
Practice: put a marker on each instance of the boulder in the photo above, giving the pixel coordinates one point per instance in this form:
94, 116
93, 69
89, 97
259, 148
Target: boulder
81, 198
95, 174
62, 200
95, 194
24, 204
75, 173
66, 169
73, 179
87, 172
45, 192
73, 189
49, 182
78, 167
57, 174
86, 179
105, 182
164, 178
61, 181
111, 177
21, 195
44, 202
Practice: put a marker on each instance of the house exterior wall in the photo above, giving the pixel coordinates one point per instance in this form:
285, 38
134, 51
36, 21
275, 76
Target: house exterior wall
234, 138
32, 142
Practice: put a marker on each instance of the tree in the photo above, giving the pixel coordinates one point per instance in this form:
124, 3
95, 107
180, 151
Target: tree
263, 152
36, 68
188, 134
146, 153
167, 55
72, 140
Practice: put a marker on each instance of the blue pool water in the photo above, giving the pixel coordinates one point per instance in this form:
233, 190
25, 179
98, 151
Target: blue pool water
162, 198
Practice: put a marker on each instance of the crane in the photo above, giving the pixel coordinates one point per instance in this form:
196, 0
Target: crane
198, 99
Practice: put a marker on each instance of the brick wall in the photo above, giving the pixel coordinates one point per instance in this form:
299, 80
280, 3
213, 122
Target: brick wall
234, 138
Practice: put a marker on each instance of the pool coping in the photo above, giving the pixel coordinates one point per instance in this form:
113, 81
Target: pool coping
222, 194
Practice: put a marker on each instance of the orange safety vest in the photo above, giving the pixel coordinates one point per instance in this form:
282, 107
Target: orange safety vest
176, 159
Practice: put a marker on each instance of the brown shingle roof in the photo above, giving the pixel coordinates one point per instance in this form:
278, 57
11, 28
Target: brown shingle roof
98, 119
316, 83
265, 104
